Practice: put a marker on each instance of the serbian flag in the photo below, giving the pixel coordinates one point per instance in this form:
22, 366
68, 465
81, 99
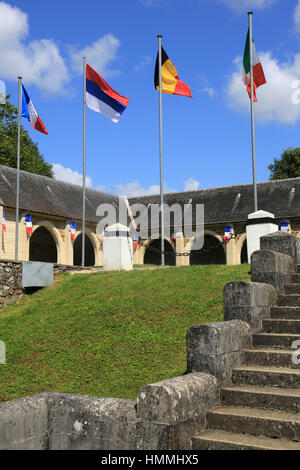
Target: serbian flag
3, 221
258, 73
29, 112
73, 230
227, 233
170, 82
100, 97
28, 224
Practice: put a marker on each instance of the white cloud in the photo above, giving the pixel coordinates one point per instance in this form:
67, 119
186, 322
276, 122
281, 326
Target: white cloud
274, 98
38, 62
69, 176
205, 85
134, 189
99, 55
147, 60
297, 17
241, 5
210, 91
191, 184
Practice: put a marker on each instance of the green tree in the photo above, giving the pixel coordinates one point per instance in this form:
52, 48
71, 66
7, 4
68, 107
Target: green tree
30, 158
288, 166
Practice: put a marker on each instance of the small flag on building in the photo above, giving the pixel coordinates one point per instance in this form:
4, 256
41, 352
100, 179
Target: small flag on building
258, 73
28, 224
135, 240
170, 82
284, 226
3, 221
73, 230
100, 97
227, 233
29, 112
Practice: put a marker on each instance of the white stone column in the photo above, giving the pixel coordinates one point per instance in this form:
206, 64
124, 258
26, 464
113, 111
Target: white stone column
260, 223
117, 248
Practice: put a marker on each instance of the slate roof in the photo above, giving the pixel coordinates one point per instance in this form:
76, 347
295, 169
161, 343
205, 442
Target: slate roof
234, 203
50, 196
221, 205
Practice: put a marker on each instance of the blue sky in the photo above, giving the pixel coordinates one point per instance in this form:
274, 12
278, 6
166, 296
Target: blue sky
206, 139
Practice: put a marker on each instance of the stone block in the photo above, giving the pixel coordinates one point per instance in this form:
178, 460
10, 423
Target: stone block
79, 422
24, 424
249, 302
248, 294
284, 243
217, 338
271, 267
170, 412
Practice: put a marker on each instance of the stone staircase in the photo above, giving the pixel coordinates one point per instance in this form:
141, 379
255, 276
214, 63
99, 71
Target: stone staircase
261, 408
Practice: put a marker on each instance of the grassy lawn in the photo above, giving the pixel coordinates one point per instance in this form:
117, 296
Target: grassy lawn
108, 334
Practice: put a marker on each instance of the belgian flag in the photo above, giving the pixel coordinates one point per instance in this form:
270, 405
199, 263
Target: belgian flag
170, 82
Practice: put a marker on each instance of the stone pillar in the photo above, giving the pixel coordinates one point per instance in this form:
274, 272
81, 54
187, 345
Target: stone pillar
180, 247
68, 248
138, 255
233, 256
260, 223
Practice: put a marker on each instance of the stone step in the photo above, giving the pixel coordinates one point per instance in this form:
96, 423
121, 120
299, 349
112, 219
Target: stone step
281, 377
270, 398
295, 278
292, 313
256, 422
281, 326
270, 357
221, 440
292, 289
281, 340
289, 300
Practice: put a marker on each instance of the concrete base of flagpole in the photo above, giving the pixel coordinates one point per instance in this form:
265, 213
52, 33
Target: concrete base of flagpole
260, 223
117, 249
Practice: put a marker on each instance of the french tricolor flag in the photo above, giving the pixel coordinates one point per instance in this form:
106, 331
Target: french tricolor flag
3, 221
100, 97
73, 230
227, 233
28, 224
29, 112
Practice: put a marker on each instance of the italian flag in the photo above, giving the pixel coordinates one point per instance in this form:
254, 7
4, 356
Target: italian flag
258, 73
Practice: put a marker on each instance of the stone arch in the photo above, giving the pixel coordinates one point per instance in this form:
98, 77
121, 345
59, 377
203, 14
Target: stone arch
45, 244
216, 255
150, 257
90, 250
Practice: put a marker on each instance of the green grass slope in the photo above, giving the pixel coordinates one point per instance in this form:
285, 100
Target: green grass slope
108, 334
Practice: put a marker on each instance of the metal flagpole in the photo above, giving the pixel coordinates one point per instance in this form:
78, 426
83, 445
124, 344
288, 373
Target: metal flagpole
84, 161
18, 166
161, 156
252, 111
